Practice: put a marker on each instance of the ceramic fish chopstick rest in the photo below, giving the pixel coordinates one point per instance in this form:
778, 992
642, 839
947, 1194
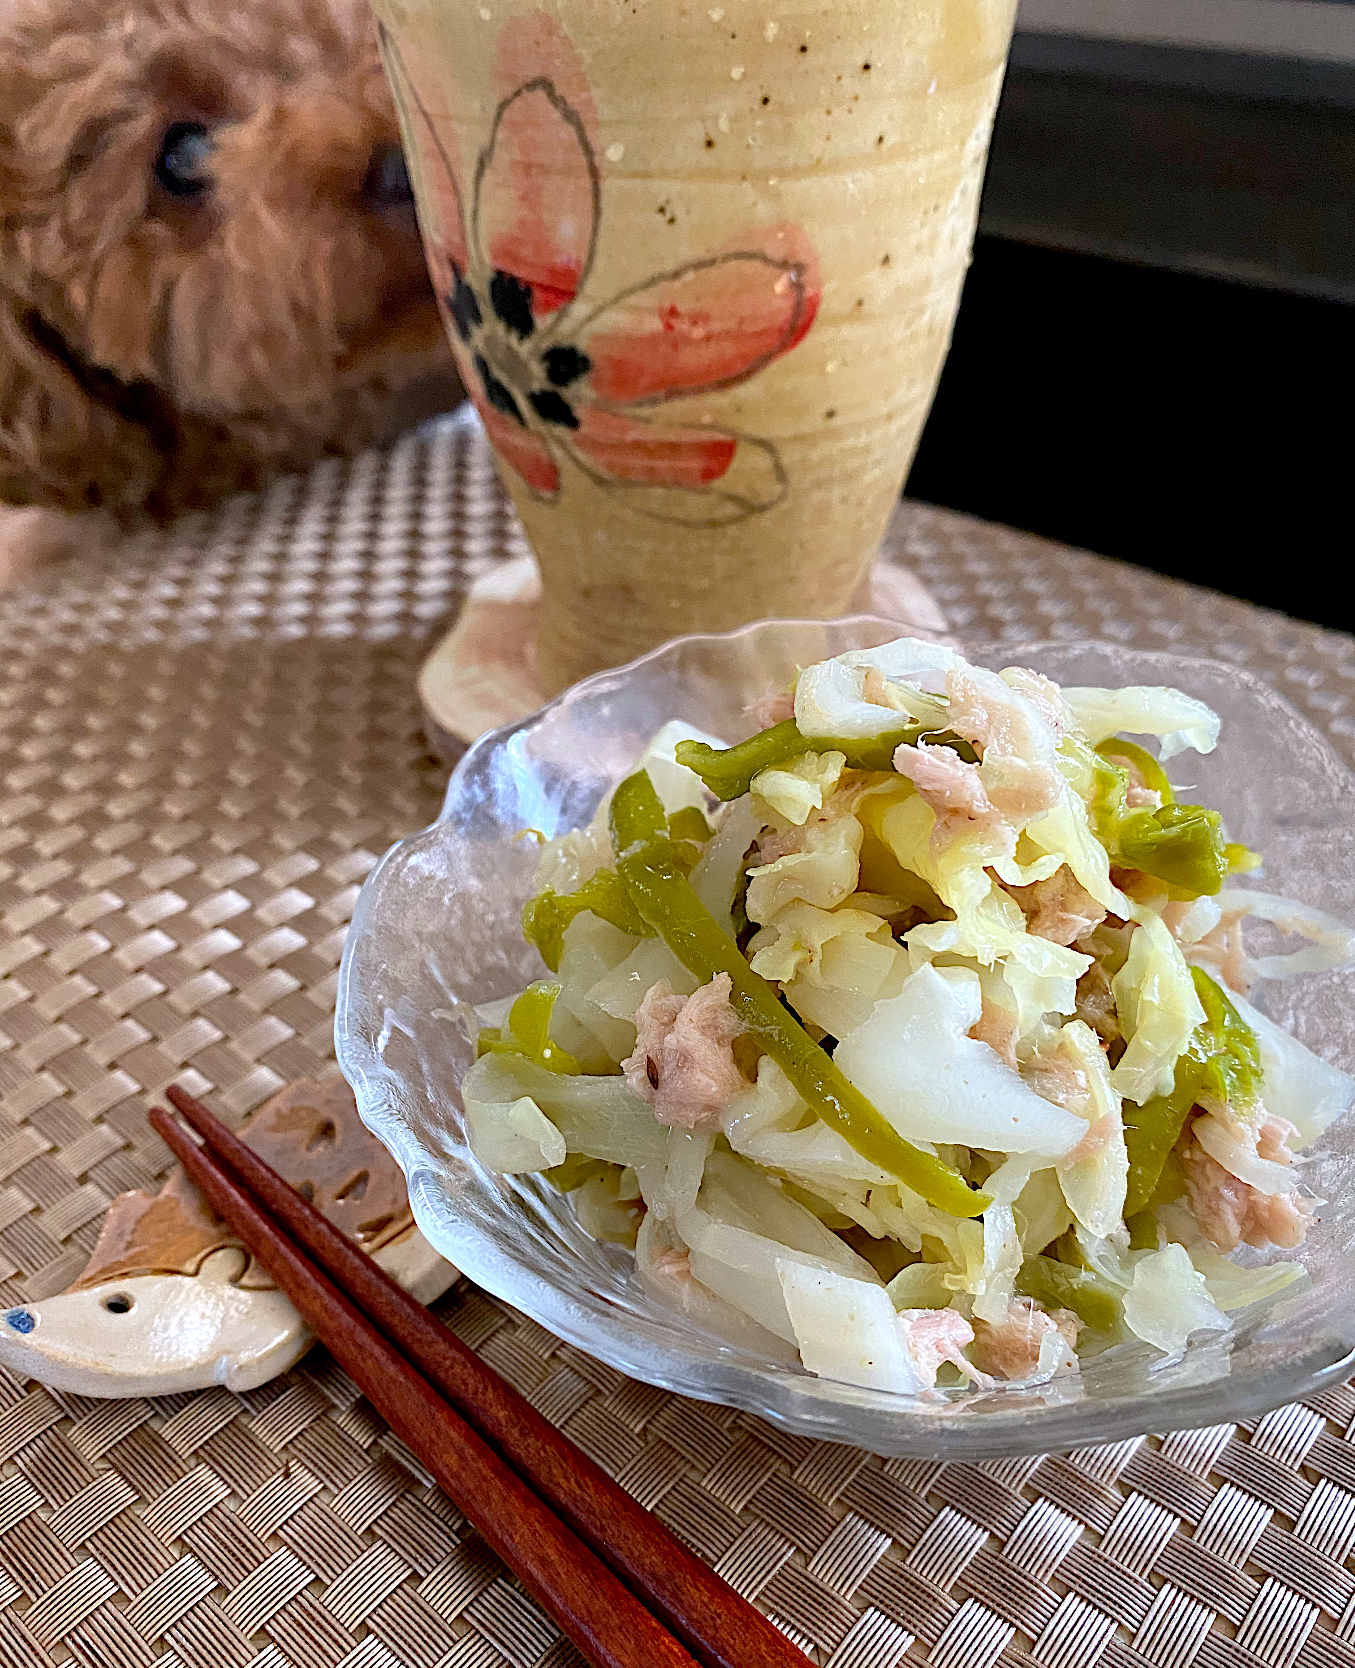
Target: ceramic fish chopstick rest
172, 1301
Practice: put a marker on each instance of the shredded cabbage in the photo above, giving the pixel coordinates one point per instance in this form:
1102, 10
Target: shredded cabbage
1297, 1085
593, 948
1233, 1288
793, 791
907, 660
607, 1206
993, 1283
620, 992
677, 787
1107, 1255
742, 1226
1095, 1175
916, 1061
846, 1329
1158, 1008
830, 702
1065, 832
513, 1136
684, 1171
1230, 1286
834, 964
719, 870
1330, 942
1145, 710
663, 1268
988, 923
830, 698
1042, 1213
1231, 1143
920, 1285
597, 1116
771, 1125
823, 872
1168, 1300
1196, 921
1042, 978
572, 858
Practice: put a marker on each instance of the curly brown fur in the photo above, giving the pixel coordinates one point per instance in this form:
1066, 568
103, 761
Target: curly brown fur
158, 351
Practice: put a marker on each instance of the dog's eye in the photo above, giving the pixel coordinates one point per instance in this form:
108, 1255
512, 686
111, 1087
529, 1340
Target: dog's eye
185, 154
387, 182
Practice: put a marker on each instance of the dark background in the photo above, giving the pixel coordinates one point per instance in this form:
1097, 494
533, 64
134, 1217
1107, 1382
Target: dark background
1155, 354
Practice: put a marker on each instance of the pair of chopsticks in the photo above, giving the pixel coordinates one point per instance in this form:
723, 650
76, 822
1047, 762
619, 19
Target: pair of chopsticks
625, 1589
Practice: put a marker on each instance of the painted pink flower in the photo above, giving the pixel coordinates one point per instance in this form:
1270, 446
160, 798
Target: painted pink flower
558, 379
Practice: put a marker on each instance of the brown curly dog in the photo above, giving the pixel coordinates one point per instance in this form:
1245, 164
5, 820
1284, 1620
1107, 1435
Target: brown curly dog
209, 264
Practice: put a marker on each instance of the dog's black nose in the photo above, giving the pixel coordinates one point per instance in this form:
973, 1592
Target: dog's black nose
387, 182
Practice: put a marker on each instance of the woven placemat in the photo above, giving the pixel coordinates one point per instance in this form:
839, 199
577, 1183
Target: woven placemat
205, 743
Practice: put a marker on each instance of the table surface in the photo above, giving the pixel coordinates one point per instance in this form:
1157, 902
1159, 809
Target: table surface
205, 743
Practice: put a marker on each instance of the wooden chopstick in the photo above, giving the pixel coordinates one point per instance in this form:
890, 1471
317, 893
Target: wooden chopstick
603, 1617
718, 1626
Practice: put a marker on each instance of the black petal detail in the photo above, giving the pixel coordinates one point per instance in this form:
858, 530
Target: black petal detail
552, 408
511, 300
565, 365
464, 307
497, 393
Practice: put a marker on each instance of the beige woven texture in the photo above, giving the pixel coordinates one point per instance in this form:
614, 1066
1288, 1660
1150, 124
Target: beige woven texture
203, 748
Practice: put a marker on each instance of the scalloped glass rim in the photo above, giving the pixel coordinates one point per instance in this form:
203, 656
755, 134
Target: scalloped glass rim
435, 930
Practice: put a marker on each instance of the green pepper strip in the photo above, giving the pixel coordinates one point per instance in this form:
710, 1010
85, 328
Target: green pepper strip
729, 771
1221, 1063
1143, 1234
1179, 844
1241, 859
1059, 1286
529, 1032
689, 824
1148, 767
664, 896
545, 917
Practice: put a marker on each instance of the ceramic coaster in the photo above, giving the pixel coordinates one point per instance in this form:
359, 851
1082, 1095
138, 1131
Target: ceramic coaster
481, 674
171, 1300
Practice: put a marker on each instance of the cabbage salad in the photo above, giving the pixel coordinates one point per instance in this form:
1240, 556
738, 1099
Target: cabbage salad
911, 1033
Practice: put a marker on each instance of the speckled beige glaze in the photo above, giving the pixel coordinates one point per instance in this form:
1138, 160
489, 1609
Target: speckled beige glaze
865, 125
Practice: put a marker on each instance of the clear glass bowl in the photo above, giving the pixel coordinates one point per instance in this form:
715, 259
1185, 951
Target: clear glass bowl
436, 930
